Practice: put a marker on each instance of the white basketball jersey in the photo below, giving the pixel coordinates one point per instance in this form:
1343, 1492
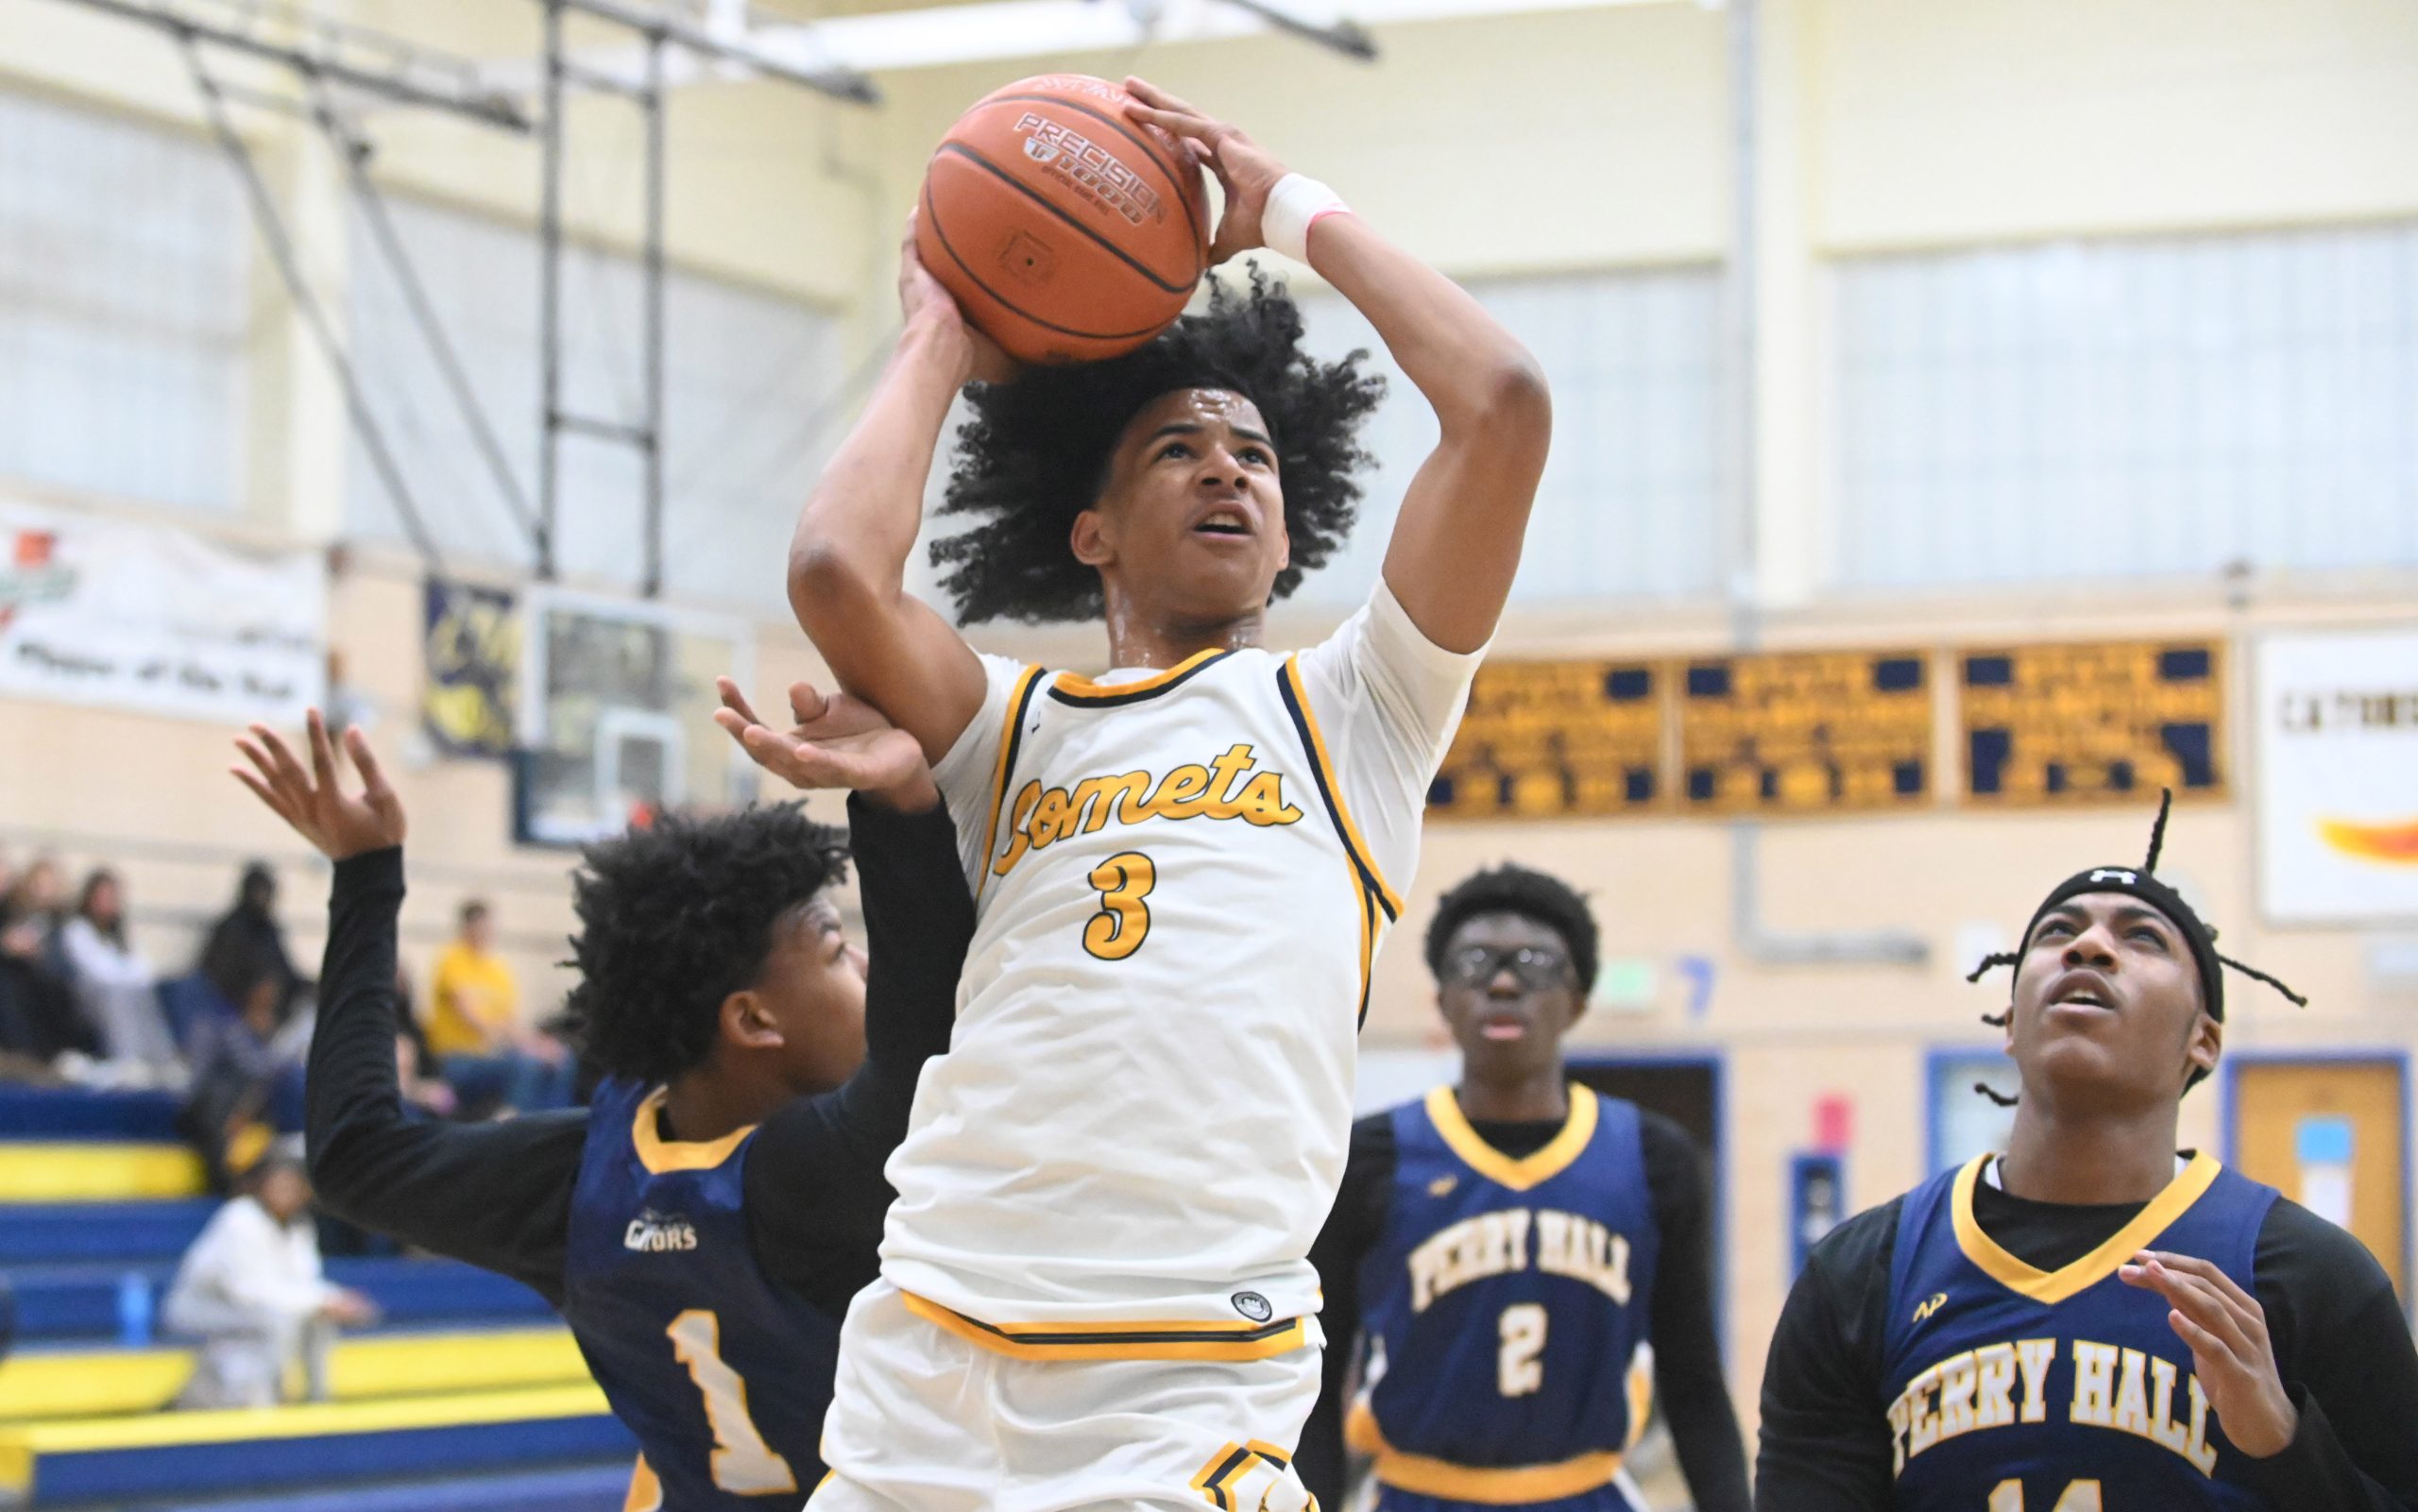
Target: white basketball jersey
1182, 880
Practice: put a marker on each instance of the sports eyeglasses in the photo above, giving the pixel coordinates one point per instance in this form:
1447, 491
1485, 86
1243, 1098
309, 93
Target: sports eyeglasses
1536, 968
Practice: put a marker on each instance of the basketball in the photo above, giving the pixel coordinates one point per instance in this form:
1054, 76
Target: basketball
1067, 231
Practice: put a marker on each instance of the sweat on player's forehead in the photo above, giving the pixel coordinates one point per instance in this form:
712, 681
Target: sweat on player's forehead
1192, 411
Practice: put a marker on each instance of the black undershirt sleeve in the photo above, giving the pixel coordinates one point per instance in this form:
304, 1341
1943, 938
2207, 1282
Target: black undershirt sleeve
1688, 1374
816, 1195
2343, 1349
494, 1195
1352, 1230
1825, 1445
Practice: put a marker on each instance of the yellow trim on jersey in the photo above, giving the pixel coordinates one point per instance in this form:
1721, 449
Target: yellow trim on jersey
1444, 1112
646, 1492
2053, 1286
661, 1155
1078, 687
1179, 1339
1333, 780
1016, 700
1505, 1485
1641, 1399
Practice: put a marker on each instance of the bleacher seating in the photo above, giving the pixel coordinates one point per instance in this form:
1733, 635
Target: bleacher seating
469, 1397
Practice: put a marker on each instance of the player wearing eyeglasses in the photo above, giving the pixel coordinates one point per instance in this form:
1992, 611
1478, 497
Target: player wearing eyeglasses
1518, 1262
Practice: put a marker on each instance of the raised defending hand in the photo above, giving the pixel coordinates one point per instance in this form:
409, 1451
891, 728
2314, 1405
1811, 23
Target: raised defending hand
2230, 1351
839, 741
313, 801
1246, 172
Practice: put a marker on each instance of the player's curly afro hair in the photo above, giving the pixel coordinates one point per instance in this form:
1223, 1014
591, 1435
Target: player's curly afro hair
676, 918
1514, 888
1035, 453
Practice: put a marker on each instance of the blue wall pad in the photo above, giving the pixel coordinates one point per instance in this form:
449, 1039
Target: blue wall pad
34, 1234
588, 1488
69, 1112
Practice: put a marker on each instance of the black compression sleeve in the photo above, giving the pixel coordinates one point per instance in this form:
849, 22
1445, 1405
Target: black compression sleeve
1825, 1442
2343, 1349
815, 1191
1687, 1354
1352, 1230
494, 1195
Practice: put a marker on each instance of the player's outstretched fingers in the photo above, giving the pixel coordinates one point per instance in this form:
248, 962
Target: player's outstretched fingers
807, 703
734, 701
289, 771
323, 756
267, 794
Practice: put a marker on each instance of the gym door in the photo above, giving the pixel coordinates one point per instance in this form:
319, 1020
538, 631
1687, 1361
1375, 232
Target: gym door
2328, 1134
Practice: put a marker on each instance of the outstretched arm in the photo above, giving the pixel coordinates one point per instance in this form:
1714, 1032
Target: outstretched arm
848, 558
494, 1195
1457, 542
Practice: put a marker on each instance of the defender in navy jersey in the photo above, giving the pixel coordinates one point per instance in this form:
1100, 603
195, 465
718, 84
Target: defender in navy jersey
2090, 1323
702, 1224
1522, 1256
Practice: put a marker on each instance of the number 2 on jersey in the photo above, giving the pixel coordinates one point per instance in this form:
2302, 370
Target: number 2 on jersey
2081, 1496
743, 1464
1517, 1371
1117, 929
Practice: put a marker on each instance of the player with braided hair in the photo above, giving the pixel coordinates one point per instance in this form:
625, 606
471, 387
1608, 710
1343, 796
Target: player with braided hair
2091, 1323
1096, 1286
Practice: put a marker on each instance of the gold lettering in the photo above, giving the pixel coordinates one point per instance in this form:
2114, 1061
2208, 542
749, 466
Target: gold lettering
2035, 1356
1518, 1220
1096, 798
1223, 772
1048, 814
1994, 1386
1179, 793
1924, 1430
1900, 1415
2094, 1384
1020, 812
1956, 1383
2131, 1398
1263, 802
2202, 1453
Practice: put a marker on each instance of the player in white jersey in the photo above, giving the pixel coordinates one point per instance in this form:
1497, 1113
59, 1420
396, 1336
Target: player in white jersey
1097, 1290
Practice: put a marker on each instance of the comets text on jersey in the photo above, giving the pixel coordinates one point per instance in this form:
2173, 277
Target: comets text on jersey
2000, 1385
1517, 1239
1231, 787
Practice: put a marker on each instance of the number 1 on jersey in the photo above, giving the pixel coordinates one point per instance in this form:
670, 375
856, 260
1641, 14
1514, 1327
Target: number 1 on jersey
1117, 929
2081, 1496
743, 1464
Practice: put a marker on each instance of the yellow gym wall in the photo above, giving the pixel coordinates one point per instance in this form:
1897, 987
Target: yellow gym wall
1569, 141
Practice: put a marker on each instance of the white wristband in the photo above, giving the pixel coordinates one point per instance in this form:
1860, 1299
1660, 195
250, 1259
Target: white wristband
1295, 205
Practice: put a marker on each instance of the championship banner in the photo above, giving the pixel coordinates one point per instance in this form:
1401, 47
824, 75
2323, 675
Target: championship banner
1556, 740
2338, 776
473, 655
1806, 731
2073, 723
157, 620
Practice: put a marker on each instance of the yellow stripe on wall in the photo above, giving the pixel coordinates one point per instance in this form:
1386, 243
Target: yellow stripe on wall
103, 1383
308, 1421
94, 1172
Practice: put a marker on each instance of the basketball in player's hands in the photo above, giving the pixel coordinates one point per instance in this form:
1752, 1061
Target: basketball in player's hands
1065, 231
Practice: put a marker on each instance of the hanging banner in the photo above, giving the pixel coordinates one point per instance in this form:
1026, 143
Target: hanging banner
2338, 776
1555, 739
1806, 731
157, 620
2076, 722
473, 655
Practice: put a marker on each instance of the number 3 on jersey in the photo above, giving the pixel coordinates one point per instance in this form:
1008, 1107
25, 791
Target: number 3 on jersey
1124, 920
2081, 1496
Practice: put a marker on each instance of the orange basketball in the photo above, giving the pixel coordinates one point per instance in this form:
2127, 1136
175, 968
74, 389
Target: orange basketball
1067, 231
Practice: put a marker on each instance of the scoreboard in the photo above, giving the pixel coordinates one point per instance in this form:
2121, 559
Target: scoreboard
2076, 722
1556, 740
1806, 731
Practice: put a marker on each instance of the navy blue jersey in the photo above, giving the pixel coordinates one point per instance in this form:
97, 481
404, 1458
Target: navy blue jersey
2015, 1389
1506, 1305
723, 1377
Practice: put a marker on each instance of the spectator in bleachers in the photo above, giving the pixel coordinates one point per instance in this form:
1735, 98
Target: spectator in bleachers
116, 990
247, 1072
246, 935
489, 1056
35, 999
252, 1294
